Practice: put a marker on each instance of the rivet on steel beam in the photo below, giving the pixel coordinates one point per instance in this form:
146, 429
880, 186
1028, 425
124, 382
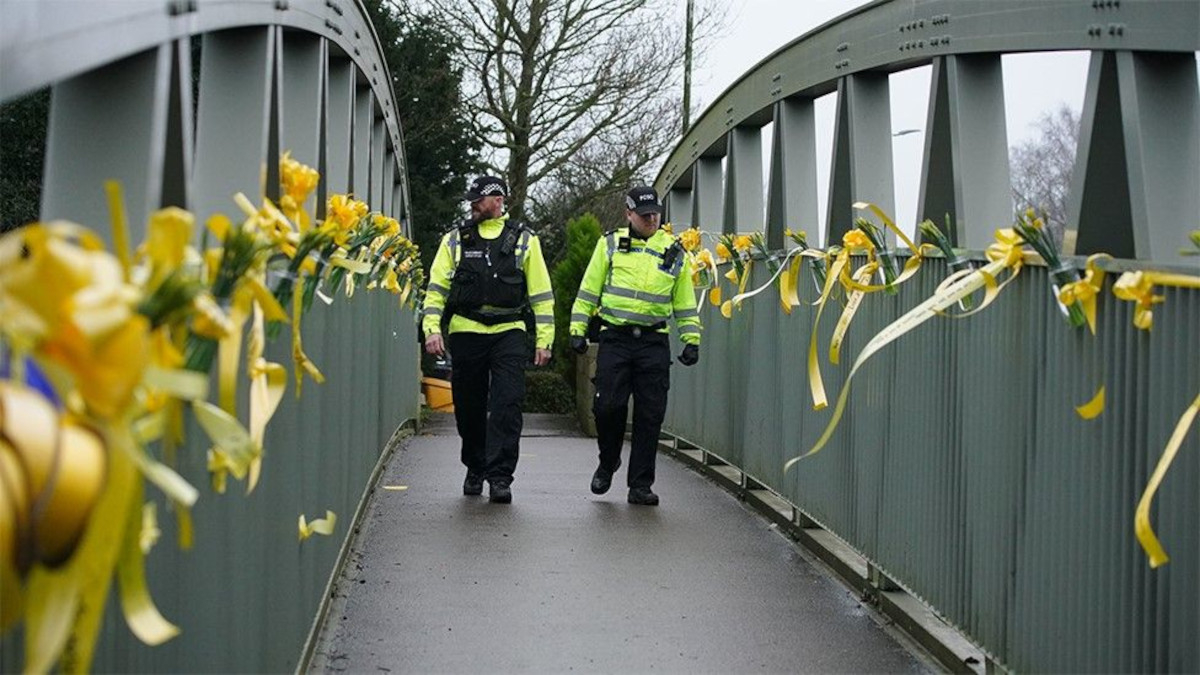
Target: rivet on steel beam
281, 4
333, 5
776, 77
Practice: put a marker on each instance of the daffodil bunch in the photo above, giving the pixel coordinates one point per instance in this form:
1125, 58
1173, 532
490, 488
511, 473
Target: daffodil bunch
302, 264
396, 267
342, 215
879, 249
819, 270
759, 243
1032, 230
242, 250
384, 247
736, 249
933, 234
954, 259
355, 252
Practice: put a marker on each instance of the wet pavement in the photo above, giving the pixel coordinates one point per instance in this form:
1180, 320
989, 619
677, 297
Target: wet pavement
563, 581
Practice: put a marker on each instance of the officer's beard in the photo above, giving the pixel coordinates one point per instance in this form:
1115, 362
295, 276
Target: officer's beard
479, 215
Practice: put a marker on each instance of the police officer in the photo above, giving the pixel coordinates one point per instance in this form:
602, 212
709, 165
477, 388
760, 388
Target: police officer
637, 279
487, 277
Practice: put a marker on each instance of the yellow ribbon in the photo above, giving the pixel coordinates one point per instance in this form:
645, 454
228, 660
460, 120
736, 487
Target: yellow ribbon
727, 306
141, 614
780, 273
861, 275
323, 526
233, 449
789, 294
1006, 253
303, 363
1094, 407
120, 225
229, 350
1141, 520
267, 383
66, 604
887, 222
815, 384
1139, 287
1086, 290
857, 283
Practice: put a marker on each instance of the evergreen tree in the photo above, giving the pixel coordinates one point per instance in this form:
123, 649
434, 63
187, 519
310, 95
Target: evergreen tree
582, 234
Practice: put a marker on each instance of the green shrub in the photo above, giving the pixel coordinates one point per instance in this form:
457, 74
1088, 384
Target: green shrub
547, 392
582, 234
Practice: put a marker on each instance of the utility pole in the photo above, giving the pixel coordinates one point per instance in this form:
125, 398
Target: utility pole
687, 68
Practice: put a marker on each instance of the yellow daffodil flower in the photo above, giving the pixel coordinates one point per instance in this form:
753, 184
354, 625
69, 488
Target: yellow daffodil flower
690, 239
857, 239
168, 235
297, 180
345, 211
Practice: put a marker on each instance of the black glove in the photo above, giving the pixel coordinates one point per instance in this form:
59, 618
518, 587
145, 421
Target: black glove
690, 355
579, 344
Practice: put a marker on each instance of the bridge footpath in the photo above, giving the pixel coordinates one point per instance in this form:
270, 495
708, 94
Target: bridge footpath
564, 581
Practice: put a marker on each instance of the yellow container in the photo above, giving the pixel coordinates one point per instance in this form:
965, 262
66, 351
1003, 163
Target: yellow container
438, 394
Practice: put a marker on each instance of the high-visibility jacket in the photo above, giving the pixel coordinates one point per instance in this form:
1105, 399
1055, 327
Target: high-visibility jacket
631, 281
537, 283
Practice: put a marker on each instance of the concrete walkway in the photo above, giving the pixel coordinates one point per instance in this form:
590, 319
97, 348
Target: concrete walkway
564, 581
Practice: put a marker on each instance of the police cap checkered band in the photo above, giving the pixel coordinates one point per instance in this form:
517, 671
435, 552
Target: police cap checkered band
643, 200
486, 186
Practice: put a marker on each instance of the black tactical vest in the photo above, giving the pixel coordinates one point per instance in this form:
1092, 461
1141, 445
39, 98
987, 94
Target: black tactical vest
488, 284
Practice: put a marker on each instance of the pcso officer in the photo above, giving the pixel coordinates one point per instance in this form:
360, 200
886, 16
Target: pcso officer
486, 281
637, 279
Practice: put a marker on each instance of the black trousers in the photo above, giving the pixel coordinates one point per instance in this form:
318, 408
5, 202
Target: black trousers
639, 366
488, 380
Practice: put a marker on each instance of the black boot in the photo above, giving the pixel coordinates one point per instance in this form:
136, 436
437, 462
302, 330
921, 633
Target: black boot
601, 481
499, 492
473, 484
642, 496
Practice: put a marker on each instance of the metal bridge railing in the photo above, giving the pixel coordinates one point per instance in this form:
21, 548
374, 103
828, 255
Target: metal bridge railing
186, 103
961, 469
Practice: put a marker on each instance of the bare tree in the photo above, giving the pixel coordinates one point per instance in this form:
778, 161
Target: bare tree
554, 80
1042, 167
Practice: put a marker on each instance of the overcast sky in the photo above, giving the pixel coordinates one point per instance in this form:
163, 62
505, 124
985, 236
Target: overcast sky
1034, 84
